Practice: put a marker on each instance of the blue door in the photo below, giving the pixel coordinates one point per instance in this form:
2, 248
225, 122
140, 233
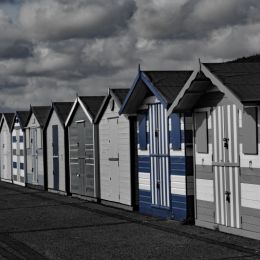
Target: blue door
55, 156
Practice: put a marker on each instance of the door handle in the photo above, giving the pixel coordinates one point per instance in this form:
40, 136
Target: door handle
227, 193
158, 184
78, 175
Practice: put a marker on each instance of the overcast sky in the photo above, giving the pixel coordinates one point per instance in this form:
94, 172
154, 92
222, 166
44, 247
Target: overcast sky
53, 49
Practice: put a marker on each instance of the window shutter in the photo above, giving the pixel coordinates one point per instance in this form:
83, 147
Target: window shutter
176, 131
142, 132
249, 130
201, 134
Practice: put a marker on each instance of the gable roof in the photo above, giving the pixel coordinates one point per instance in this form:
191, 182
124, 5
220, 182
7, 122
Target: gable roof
62, 109
41, 113
118, 95
243, 79
165, 85
239, 81
90, 106
23, 117
9, 117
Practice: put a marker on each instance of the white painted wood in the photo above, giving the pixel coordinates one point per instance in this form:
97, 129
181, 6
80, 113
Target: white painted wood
178, 185
5, 152
109, 191
144, 181
204, 190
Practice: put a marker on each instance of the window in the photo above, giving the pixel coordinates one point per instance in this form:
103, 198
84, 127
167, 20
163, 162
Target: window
21, 138
21, 152
14, 151
176, 131
21, 166
249, 130
15, 165
14, 139
201, 132
142, 136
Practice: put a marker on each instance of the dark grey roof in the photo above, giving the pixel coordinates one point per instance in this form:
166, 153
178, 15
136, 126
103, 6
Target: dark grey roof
252, 58
243, 79
9, 117
42, 114
92, 104
120, 94
23, 117
168, 83
62, 109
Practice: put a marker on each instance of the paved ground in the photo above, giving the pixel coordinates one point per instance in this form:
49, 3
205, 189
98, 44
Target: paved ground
40, 225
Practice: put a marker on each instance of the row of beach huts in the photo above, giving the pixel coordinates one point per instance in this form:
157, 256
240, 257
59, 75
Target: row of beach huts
182, 145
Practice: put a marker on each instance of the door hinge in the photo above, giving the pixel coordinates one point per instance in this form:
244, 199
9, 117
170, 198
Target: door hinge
241, 219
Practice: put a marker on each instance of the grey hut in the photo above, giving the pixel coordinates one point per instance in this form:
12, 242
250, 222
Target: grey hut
224, 99
57, 147
18, 147
36, 147
116, 148
83, 147
5, 147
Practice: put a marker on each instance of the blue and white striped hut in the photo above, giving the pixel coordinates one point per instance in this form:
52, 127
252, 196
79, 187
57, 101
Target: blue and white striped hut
164, 159
224, 99
18, 147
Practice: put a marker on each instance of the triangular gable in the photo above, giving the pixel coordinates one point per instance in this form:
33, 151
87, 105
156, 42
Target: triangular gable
111, 94
29, 119
141, 77
24, 121
214, 80
74, 107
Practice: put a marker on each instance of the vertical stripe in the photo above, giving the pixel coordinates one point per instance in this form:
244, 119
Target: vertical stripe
237, 197
216, 194
231, 196
235, 134
229, 135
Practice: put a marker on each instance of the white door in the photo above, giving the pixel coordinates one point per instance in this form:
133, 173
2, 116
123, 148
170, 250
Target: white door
114, 174
226, 165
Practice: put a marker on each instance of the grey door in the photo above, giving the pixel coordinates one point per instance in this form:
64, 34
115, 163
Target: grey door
159, 155
34, 155
226, 165
55, 156
114, 174
75, 182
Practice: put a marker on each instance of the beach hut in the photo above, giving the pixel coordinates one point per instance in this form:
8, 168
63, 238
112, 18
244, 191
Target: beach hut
224, 99
83, 147
18, 147
36, 147
57, 147
5, 146
164, 145
116, 145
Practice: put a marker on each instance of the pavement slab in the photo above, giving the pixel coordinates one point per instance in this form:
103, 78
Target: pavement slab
41, 225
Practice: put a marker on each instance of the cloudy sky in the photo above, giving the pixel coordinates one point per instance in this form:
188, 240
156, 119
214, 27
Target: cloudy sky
53, 49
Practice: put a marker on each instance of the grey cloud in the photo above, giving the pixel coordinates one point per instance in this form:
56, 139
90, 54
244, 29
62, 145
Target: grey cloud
60, 19
193, 18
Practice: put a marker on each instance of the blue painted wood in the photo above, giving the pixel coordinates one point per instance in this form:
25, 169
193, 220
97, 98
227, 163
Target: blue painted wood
142, 132
144, 164
176, 131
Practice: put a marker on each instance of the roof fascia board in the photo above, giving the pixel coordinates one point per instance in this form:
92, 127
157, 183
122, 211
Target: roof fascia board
154, 90
183, 90
85, 110
102, 109
121, 111
71, 112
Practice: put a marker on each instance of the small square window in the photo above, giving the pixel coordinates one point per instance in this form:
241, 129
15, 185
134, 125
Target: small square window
14, 151
14, 139
15, 165
21, 166
21, 139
